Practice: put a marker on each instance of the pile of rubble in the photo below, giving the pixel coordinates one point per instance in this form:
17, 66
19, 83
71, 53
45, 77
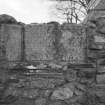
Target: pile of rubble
74, 85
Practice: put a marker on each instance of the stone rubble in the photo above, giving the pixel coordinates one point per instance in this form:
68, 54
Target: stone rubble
50, 91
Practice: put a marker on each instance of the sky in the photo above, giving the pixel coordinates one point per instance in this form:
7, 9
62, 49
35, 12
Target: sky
27, 11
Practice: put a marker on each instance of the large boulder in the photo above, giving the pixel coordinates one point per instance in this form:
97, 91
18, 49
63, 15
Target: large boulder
62, 94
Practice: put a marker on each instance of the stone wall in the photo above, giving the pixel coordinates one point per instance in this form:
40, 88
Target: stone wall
95, 11
48, 42
36, 39
73, 39
10, 39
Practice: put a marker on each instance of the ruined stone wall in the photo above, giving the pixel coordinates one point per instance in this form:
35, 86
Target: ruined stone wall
95, 12
45, 42
10, 42
73, 39
36, 42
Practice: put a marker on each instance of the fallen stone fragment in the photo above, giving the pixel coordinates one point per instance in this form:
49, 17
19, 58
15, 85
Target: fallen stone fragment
70, 75
30, 93
47, 93
55, 66
41, 66
31, 67
78, 92
8, 100
101, 69
40, 101
100, 78
80, 86
70, 85
58, 82
62, 94
41, 83
87, 81
12, 91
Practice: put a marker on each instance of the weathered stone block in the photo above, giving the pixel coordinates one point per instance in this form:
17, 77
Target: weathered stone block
30, 93
10, 38
98, 90
101, 69
70, 75
100, 78
62, 94
40, 101
73, 42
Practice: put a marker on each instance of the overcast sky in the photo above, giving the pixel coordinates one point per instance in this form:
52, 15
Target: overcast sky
27, 11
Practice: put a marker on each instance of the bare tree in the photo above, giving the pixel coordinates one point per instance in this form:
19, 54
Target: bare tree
72, 11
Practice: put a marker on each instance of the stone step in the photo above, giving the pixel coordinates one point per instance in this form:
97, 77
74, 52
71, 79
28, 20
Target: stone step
44, 75
80, 66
